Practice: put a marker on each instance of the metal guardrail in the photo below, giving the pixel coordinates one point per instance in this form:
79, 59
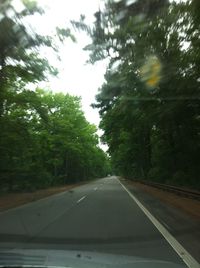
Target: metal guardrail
174, 189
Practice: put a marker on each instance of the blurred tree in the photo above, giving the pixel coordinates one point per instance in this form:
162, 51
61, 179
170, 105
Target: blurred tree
149, 104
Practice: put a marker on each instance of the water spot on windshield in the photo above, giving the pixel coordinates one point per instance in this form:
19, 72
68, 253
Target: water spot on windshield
151, 71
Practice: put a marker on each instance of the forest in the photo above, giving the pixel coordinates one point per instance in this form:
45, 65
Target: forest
150, 102
45, 139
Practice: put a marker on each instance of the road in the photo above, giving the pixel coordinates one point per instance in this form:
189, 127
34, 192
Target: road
98, 216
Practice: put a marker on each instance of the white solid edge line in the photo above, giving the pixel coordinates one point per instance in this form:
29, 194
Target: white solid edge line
81, 199
183, 253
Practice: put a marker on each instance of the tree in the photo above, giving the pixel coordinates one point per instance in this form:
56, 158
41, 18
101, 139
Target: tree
45, 138
51, 147
149, 105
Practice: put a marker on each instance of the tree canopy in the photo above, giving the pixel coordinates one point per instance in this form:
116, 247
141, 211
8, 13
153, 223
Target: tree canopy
149, 104
45, 138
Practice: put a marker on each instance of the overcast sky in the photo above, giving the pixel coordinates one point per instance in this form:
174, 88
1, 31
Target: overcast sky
75, 76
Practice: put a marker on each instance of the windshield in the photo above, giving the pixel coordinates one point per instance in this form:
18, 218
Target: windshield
99, 131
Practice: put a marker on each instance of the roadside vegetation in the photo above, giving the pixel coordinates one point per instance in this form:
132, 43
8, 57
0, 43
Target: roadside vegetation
150, 102
45, 139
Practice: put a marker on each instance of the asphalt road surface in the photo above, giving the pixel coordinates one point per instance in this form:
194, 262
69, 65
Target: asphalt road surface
99, 216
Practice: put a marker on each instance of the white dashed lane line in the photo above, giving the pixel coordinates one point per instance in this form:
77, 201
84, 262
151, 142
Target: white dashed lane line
81, 199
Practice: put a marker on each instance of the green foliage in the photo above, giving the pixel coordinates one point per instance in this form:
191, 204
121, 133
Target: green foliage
149, 104
46, 140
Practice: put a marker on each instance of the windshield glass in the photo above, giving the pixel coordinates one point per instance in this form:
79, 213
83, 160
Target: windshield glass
99, 132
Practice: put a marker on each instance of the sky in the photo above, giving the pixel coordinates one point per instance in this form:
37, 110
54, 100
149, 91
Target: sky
75, 76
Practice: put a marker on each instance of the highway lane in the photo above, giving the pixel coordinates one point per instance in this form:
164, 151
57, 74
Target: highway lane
99, 216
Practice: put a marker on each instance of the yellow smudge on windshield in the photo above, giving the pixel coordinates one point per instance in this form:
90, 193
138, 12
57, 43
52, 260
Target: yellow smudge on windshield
151, 71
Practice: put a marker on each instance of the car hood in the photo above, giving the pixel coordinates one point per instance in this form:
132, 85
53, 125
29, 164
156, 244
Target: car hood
75, 259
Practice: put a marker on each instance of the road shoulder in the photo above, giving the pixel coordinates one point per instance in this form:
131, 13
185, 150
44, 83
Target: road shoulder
183, 226
13, 200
